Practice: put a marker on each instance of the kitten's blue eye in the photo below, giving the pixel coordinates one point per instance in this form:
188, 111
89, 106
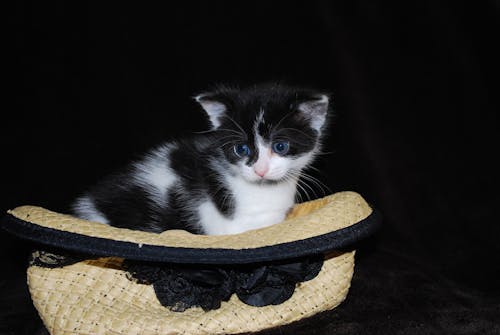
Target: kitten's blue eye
241, 150
281, 148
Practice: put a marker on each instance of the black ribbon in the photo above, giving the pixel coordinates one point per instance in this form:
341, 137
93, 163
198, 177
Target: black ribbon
180, 287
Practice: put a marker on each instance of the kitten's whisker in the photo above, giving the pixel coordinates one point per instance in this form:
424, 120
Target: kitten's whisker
229, 136
305, 184
231, 141
301, 132
225, 143
204, 131
313, 168
236, 124
325, 189
303, 180
321, 153
228, 130
319, 182
317, 185
295, 175
292, 179
281, 120
303, 190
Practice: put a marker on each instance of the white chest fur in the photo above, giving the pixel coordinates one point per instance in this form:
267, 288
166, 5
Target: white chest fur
256, 206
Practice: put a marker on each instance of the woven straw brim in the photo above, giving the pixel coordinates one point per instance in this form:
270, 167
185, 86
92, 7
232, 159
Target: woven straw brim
306, 220
96, 297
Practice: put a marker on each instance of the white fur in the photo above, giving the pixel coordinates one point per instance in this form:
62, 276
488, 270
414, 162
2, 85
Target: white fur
214, 109
155, 175
256, 206
86, 210
316, 111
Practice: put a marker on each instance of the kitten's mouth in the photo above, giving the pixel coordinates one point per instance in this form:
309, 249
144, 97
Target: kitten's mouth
270, 181
265, 181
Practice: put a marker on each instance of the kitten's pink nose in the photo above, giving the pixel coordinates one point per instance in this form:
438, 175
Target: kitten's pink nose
261, 171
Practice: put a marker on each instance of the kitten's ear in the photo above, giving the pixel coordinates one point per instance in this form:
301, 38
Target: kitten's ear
214, 108
315, 110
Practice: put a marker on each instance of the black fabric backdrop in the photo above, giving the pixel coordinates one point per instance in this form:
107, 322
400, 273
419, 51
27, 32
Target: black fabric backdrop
415, 130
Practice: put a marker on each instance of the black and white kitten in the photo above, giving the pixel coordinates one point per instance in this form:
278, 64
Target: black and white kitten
240, 175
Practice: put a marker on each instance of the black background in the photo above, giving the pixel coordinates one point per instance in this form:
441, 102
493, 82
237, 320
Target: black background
415, 129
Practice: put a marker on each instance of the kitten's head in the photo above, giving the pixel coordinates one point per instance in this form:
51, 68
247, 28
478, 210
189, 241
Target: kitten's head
268, 133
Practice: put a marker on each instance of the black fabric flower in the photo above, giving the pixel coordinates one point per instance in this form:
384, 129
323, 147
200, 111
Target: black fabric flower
274, 284
181, 287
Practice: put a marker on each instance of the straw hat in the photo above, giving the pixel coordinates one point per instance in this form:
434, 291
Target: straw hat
107, 280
